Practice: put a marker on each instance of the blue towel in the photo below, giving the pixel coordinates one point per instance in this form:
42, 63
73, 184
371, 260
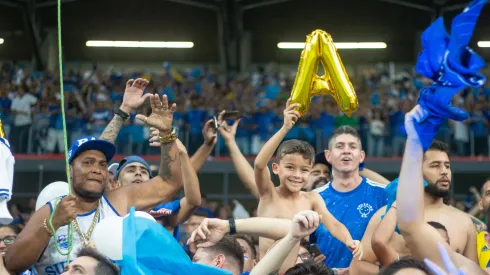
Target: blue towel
452, 65
149, 249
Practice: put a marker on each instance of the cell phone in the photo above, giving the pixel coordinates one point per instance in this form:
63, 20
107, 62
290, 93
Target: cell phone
231, 115
215, 123
314, 250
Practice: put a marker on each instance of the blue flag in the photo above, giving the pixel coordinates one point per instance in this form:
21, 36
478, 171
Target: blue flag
149, 249
452, 65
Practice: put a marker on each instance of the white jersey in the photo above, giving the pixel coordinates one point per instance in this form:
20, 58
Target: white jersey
51, 261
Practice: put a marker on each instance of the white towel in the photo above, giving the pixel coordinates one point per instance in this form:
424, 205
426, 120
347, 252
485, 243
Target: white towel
7, 162
240, 212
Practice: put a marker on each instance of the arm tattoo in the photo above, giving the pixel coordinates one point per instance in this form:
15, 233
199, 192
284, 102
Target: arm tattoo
112, 130
479, 225
275, 272
166, 161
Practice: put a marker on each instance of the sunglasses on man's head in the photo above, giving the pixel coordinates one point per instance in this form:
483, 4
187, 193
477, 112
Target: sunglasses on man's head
8, 240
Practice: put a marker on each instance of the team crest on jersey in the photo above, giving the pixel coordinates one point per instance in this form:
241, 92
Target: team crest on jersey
62, 241
365, 209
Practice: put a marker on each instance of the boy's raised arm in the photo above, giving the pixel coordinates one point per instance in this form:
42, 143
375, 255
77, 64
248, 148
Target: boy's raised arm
262, 175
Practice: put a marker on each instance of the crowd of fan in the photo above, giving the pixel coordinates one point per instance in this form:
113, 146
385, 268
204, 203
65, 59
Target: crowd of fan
31, 113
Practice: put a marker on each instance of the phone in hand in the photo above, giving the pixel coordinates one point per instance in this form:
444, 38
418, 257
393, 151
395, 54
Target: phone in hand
231, 115
314, 250
215, 124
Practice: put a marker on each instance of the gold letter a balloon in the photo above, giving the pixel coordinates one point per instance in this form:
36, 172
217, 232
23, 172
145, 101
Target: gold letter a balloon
319, 48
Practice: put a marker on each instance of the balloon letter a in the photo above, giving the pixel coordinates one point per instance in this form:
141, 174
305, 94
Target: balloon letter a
319, 48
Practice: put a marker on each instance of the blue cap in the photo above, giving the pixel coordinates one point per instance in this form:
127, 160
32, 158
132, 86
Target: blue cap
132, 159
91, 143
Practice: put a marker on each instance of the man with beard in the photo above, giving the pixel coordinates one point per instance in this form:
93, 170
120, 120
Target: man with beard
437, 173
320, 173
87, 205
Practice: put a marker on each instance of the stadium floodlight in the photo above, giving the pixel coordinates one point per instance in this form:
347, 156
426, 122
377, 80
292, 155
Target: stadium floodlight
484, 44
140, 44
339, 45
1, 40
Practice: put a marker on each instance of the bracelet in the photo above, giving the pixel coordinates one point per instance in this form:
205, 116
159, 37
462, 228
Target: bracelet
45, 224
168, 138
232, 226
121, 113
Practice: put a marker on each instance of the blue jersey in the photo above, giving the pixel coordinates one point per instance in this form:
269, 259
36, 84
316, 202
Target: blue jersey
354, 209
165, 210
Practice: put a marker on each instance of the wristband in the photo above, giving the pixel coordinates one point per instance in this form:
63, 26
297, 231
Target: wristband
121, 113
232, 226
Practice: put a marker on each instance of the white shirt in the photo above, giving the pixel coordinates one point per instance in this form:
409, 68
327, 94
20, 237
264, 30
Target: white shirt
461, 131
53, 263
377, 127
23, 104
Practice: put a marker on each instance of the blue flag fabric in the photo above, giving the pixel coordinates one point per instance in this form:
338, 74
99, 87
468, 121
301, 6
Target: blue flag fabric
149, 249
452, 65
390, 191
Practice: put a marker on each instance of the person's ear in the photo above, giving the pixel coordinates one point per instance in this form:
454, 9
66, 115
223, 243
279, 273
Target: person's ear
275, 168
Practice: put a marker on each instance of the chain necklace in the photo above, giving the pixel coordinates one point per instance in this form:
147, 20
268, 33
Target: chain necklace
86, 237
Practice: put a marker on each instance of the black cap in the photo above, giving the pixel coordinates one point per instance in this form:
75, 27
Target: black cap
320, 158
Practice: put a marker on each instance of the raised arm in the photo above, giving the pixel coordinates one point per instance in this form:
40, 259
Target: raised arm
261, 171
132, 99
385, 253
163, 187
367, 263
304, 223
192, 192
243, 168
213, 230
210, 138
336, 228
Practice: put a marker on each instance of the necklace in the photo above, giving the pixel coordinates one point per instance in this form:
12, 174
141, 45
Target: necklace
86, 237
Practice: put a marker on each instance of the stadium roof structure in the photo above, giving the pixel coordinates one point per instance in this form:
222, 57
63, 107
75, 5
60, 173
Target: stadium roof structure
217, 27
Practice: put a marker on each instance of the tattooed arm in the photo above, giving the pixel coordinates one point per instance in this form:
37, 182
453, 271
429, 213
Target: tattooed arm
112, 130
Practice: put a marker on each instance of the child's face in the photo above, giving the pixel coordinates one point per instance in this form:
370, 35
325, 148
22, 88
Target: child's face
293, 171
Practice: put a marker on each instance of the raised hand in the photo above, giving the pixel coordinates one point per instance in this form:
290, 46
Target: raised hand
290, 115
154, 133
448, 264
161, 116
65, 212
416, 115
226, 131
211, 231
133, 95
304, 223
209, 133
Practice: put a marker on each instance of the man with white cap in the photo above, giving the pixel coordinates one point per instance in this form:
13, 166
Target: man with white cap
88, 158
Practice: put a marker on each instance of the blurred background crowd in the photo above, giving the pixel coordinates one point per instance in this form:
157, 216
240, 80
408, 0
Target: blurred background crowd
30, 108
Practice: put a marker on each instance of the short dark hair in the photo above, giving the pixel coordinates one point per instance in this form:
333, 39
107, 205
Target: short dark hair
294, 146
439, 146
405, 262
229, 247
201, 213
309, 268
249, 243
104, 265
13, 227
321, 159
344, 130
437, 225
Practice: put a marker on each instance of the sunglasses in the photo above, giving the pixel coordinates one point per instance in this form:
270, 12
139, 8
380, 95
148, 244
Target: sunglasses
8, 240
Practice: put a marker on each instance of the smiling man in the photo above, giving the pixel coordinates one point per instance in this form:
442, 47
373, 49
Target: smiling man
350, 198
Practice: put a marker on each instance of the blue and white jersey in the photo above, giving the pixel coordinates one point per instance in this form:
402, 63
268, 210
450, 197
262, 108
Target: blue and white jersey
354, 209
53, 263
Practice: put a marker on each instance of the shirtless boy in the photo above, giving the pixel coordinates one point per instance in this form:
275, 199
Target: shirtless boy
294, 162
436, 170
